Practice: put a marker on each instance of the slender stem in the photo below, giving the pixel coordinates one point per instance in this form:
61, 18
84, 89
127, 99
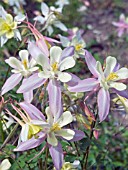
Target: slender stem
46, 158
86, 154
1, 130
10, 135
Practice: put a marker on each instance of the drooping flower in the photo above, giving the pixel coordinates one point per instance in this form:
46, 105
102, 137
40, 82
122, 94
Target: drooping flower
21, 69
5, 164
51, 18
77, 42
104, 80
8, 26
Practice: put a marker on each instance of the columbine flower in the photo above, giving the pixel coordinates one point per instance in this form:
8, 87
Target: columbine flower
55, 127
76, 41
122, 25
104, 79
49, 129
8, 26
52, 68
22, 68
5, 164
29, 129
51, 17
62, 3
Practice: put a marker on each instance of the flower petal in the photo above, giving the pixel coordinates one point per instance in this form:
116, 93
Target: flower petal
55, 103
84, 85
11, 82
14, 63
5, 165
103, 103
110, 65
28, 96
51, 139
55, 54
24, 133
65, 119
24, 55
67, 52
56, 153
29, 144
32, 111
60, 25
122, 73
91, 63
29, 84
64, 77
67, 63
123, 93
78, 135
44, 9
65, 133
118, 86
38, 55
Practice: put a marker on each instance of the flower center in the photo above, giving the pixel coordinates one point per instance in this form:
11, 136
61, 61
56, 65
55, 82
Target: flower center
78, 47
25, 64
112, 76
33, 130
55, 127
4, 28
55, 66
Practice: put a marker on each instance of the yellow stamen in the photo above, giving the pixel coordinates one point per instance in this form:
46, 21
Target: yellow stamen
25, 63
33, 130
112, 76
55, 66
55, 127
78, 47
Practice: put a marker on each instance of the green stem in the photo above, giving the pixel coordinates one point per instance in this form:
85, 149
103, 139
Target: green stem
10, 135
86, 154
46, 159
1, 130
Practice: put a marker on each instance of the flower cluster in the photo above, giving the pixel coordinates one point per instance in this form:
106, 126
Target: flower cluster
46, 63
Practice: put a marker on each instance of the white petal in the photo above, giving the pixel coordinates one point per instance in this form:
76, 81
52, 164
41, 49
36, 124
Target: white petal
24, 132
55, 54
99, 69
14, 63
17, 34
44, 9
65, 133
40, 19
64, 77
122, 73
50, 30
61, 26
5, 165
118, 86
50, 119
51, 139
110, 64
24, 55
65, 119
44, 74
67, 63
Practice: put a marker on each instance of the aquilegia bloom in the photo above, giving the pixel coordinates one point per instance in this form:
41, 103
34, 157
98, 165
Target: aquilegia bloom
21, 69
78, 43
104, 80
50, 18
8, 26
51, 68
